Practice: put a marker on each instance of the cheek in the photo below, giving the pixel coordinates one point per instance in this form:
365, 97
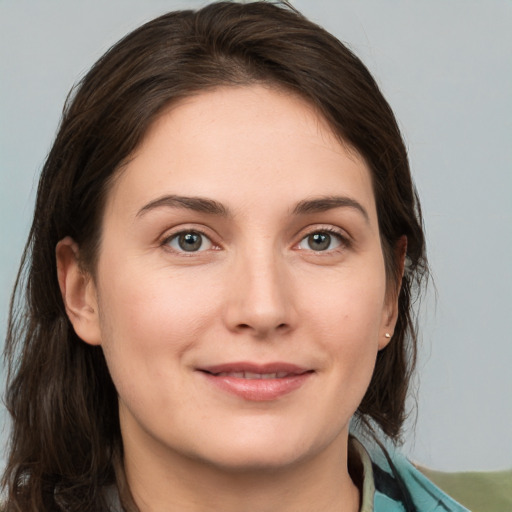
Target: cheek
148, 322
347, 321
350, 306
139, 299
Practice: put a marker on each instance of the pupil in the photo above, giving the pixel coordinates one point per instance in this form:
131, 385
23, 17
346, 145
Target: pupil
319, 241
190, 241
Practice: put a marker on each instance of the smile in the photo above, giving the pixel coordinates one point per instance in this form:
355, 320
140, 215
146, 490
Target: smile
257, 382
253, 375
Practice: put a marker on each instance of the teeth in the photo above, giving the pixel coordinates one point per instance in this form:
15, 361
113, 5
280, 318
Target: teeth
252, 375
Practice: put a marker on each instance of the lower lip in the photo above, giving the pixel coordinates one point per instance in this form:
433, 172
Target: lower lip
258, 390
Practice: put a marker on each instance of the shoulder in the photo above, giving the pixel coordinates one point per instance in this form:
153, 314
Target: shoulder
400, 487
425, 495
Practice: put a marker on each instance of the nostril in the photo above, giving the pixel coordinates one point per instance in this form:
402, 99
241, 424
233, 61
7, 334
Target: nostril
279, 327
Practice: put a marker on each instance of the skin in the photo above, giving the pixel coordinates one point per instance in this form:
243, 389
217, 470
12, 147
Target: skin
257, 290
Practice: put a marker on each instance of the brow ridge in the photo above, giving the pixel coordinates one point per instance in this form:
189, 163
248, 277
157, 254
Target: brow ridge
322, 204
198, 204
212, 207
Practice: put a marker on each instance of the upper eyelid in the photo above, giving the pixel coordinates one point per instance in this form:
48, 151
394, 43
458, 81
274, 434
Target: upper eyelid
177, 230
345, 240
319, 228
171, 233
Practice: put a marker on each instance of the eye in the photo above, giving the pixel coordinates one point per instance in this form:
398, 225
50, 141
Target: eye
189, 241
321, 241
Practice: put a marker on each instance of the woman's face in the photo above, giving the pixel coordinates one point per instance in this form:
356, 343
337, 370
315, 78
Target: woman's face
240, 290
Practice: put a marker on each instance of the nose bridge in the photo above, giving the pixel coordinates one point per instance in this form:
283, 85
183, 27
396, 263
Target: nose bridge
260, 292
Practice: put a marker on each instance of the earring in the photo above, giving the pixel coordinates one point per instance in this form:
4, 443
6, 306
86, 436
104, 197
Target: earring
387, 335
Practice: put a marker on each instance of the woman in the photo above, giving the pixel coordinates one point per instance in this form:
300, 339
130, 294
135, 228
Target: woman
219, 278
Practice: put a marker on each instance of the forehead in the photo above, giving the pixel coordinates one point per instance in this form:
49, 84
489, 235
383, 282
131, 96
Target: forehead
235, 142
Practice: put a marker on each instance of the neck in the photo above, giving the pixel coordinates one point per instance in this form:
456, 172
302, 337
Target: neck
165, 482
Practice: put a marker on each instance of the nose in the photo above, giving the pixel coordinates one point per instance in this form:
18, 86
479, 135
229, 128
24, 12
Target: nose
260, 296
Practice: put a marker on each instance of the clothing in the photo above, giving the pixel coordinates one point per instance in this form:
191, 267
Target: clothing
403, 490
383, 490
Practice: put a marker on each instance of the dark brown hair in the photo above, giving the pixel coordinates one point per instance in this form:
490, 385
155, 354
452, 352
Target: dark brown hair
66, 445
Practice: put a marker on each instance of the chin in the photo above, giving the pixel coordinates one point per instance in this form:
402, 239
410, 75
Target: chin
255, 460
261, 451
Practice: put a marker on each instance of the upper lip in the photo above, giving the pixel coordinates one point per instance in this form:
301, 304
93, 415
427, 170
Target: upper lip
243, 366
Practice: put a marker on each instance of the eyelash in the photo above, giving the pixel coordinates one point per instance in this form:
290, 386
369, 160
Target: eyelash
343, 241
193, 231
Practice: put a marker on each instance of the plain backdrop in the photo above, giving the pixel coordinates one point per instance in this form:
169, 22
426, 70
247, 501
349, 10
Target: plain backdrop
446, 68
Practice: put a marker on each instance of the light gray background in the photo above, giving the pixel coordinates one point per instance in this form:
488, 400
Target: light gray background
446, 68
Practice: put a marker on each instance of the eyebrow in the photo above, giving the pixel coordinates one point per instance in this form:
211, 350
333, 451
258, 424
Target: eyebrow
323, 204
212, 207
197, 204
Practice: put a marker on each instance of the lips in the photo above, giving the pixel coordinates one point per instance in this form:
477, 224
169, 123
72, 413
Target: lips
253, 375
257, 369
255, 382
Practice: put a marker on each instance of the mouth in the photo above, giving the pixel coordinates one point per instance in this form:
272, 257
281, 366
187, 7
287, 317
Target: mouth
252, 375
254, 382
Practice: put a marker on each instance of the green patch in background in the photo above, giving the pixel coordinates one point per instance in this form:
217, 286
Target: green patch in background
478, 491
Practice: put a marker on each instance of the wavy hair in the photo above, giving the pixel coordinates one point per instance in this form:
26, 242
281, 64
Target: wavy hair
65, 444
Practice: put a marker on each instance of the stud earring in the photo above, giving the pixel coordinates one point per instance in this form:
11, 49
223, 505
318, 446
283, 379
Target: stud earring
387, 335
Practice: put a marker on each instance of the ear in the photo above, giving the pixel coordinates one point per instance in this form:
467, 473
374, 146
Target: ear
391, 308
78, 292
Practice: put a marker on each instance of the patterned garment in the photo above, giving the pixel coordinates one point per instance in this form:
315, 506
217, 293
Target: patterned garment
389, 485
395, 485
